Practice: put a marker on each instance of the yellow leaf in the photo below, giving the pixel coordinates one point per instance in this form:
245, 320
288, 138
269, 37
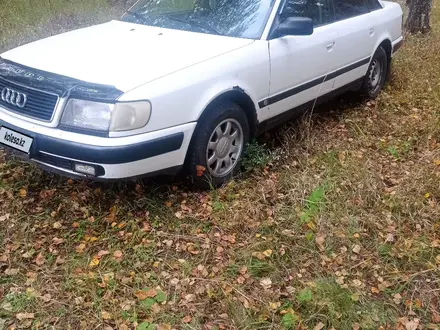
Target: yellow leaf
437, 162
106, 315
267, 253
23, 192
94, 262
427, 195
259, 255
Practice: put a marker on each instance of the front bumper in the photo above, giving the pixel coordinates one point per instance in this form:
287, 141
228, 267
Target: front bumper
113, 158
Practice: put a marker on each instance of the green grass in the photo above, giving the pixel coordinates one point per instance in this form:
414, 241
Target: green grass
335, 222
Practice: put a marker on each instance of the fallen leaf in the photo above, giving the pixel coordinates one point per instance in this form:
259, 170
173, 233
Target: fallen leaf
412, 325
356, 249
320, 240
23, 192
190, 297
259, 255
142, 295
39, 260
266, 283
187, 319
11, 271
94, 262
102, 253
374, 290
385, 284
200, 170
435, 318
60, 260
397, 298
267, 253
118, 255
80, 248
25, 316
57, 241
106, 315
5, 217
319, 326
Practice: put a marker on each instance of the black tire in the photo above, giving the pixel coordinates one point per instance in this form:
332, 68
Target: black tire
197, 165
374, 81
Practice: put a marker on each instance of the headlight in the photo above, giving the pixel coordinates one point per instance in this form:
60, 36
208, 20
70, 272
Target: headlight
87, 115
106, 117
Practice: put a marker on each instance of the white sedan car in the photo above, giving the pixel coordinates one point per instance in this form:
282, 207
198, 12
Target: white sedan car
178, 84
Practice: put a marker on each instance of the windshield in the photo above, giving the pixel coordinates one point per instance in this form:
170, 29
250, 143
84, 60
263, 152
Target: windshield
234, 18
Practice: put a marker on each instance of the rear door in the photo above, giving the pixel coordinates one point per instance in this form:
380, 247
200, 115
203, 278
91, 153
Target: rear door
356, 39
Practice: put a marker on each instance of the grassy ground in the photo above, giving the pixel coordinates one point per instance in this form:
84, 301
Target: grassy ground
337, 227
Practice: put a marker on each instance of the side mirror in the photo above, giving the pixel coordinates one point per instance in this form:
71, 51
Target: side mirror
295, 26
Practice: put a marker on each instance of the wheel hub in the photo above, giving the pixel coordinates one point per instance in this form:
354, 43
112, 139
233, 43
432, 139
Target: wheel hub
375, 75
224, 147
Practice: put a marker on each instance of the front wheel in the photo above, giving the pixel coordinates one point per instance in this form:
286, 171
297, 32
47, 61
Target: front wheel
218, 144
376, 75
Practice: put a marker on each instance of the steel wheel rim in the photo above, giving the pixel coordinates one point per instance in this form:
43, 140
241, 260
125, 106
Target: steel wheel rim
375, 76
224, 147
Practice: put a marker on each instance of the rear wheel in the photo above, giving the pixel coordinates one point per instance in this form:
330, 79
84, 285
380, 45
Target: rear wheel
376, 75
218, 144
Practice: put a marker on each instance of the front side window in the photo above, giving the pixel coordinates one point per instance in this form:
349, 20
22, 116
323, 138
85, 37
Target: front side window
318, 10
349, 8
234, 18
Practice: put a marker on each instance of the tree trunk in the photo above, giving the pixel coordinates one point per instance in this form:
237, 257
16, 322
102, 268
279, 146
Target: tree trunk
419, 15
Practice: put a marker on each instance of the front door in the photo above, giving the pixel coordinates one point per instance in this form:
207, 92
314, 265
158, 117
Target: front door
300, 64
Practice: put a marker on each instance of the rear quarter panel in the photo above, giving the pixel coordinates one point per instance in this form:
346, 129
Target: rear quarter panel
388, 22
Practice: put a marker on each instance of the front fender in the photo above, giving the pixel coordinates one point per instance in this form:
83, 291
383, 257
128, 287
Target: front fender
183, 96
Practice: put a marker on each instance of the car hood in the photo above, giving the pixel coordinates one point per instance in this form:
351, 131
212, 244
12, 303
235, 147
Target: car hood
121, 54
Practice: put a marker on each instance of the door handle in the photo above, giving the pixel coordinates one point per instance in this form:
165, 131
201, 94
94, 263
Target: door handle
371, 31
330, 45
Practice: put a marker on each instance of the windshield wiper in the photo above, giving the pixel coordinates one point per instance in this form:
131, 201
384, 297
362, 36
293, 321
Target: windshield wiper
138, 16
203, 25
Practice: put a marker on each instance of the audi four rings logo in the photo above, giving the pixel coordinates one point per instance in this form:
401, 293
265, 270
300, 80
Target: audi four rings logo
13, 97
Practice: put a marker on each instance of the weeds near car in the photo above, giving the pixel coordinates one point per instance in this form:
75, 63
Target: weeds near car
256, 156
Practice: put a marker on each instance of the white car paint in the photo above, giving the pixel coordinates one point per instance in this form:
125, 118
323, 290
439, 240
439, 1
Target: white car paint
181, 73
121, 54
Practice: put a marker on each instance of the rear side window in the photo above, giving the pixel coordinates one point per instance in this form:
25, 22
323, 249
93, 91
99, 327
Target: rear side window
349, 8
373, 5
318, 10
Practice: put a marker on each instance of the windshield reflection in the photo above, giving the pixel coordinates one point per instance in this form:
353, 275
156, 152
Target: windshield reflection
234, 18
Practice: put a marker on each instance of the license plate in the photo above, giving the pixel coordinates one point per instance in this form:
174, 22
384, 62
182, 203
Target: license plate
15, 140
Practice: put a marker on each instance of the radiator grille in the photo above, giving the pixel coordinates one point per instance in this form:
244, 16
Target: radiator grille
39, 105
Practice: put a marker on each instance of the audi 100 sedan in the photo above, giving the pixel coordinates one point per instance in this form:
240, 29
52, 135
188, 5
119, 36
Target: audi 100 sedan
184, 85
